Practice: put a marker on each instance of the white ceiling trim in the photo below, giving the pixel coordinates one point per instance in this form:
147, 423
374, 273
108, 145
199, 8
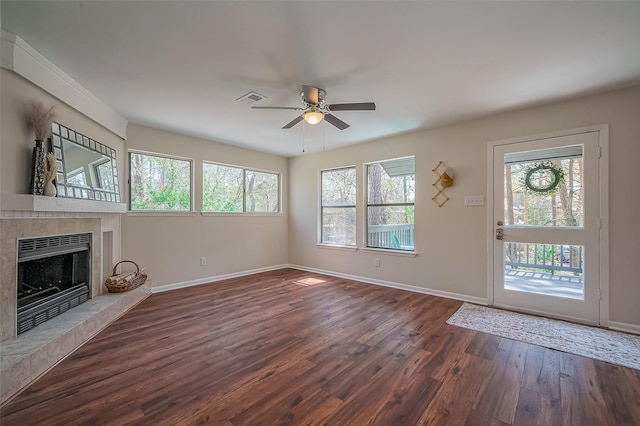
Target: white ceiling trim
19, 57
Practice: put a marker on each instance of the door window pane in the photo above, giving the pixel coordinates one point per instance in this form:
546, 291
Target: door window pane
551, 269
542, 189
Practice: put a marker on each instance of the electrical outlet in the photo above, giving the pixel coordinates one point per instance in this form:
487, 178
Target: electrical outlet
203, 261
376, 262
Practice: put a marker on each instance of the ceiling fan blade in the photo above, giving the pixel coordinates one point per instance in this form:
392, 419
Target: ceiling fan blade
332, 119
277, 107
311, 94
357, 106
293, 122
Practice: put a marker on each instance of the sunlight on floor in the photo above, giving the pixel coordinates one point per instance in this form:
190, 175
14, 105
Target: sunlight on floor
308, 281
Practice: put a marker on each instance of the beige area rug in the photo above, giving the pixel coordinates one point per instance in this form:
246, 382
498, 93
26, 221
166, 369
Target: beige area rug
604, 345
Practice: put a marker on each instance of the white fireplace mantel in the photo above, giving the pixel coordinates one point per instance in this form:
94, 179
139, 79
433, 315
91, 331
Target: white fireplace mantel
40, 203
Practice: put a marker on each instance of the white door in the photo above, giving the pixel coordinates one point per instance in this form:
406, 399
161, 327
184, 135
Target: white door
546, 226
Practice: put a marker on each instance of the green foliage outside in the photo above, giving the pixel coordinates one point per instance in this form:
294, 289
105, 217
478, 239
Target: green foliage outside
160, 183
562, 207
224, 188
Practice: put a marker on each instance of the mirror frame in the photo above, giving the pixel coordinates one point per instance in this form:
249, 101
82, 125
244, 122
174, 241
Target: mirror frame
61, 134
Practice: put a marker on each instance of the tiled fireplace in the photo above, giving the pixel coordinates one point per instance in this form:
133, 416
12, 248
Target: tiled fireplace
15, 230
54, 276
27, 355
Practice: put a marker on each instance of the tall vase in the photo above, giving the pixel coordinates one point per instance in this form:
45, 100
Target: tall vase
37, 169
50, 189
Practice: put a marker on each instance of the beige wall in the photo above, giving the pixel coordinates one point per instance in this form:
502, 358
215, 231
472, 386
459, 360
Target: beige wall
171, 245
17, 140
451, 241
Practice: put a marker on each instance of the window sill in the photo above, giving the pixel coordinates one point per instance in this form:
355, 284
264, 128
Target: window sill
336, 247
239, 214
160, 214
391, 252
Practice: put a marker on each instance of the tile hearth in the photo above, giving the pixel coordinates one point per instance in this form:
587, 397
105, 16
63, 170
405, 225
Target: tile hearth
27, 356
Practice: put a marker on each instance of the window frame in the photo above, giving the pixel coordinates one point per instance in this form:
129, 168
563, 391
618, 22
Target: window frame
367, 205
322, 207
171, 157
244, 190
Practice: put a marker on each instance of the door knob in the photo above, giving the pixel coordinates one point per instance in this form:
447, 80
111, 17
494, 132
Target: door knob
499, 234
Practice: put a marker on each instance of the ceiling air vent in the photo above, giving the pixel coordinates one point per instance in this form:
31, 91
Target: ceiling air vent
250, 98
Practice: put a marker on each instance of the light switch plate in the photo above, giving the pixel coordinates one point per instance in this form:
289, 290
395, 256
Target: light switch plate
474, 200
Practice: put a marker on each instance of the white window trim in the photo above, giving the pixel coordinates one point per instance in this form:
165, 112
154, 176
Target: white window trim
337, 247
391, 252
236, 214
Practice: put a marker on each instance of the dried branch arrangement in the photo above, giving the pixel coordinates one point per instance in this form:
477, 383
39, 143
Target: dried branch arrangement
50, 167
40, 119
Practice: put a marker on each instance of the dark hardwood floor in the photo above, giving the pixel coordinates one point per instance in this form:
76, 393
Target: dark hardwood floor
262, 350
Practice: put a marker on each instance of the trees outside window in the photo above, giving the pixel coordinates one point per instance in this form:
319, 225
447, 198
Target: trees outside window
561, 207
104, 171
338, 206
221, 188
159, 183
228, 189
390, 204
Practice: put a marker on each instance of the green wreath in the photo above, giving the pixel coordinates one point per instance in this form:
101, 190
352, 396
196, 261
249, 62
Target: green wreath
543, 178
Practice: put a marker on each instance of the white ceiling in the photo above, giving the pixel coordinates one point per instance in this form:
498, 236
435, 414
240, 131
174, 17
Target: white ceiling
181, 65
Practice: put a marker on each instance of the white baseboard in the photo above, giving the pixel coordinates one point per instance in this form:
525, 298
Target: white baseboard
415, 289
613, 325
406, 287
199, 281
627, 328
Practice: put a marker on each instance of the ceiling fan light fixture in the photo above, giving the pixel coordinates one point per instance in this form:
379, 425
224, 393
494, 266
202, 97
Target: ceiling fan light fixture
313, 117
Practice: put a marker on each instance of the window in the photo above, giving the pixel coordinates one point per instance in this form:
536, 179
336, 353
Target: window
390, 198
104, 172
159, 183
77, 178
338, 206
222, 188
234, 189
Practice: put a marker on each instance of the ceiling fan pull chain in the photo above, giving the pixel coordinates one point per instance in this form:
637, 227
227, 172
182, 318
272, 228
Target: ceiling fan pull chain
303, 127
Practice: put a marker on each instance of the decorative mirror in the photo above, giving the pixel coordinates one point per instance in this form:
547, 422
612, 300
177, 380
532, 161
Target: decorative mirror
86, 169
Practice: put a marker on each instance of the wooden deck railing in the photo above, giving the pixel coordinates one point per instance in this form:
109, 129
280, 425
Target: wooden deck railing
391, 236
550, 257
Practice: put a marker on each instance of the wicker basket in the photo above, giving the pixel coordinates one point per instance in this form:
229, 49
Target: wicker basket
117, 283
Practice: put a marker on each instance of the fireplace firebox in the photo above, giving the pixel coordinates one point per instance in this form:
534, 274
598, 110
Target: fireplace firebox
54, 275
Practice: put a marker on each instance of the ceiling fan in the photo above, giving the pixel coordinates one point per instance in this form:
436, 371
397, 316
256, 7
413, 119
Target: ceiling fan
315, 109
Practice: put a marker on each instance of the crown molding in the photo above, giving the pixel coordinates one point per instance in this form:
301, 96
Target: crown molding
18, 56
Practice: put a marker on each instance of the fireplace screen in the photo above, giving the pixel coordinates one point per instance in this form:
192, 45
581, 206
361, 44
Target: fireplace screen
54, 275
